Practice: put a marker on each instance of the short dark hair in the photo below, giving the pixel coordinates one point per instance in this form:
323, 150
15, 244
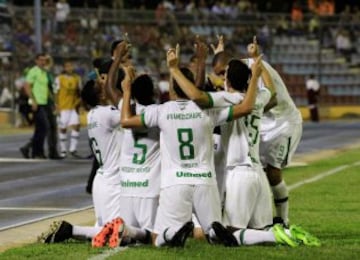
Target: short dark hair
90, 94
143, 89
38, 55
189, 75
222, 57
104, 69
238, 75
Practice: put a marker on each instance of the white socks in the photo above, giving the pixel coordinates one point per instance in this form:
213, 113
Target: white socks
253, 236
63, 141
85, 232
281, 195
74, 138
135, 233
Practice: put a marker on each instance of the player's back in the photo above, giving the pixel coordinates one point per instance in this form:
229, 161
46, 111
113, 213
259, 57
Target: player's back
186, 142
105, 137
285, 110
140, 161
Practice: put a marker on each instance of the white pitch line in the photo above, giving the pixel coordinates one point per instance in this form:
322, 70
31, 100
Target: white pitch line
320, 176
108, 253
35, 209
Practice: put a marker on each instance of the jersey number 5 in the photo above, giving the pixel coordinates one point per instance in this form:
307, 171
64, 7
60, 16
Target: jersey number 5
186, 148
140, 158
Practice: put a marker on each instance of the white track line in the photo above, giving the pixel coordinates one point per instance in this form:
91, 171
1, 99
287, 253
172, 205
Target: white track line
24, 160
35, 209
294, 186
45, 217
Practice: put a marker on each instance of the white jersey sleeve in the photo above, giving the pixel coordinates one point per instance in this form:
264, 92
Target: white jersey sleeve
224, 98
220, 116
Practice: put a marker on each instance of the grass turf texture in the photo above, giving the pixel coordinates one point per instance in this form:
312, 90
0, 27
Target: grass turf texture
328, 208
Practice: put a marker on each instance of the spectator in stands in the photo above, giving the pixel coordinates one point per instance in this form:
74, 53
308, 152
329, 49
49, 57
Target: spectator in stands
326, 8
5, 97
343, 43
313, 91
62, 12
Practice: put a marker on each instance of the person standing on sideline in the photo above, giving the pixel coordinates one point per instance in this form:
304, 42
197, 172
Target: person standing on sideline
67, 89
313, 90
37, 89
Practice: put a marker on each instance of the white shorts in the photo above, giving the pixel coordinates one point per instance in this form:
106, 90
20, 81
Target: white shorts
248, 198
178, 202
68, 118
106, 199
278, 151
139, 212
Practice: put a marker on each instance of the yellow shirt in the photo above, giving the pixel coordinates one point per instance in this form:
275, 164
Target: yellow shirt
68, 91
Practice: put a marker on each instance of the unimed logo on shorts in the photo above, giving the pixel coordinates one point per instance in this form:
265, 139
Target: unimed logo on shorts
193, 175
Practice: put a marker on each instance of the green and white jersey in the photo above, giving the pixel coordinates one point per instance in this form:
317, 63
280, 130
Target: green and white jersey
105, 140
241, 138
234, 135
253, 123
140, 161
285, 110
186, 144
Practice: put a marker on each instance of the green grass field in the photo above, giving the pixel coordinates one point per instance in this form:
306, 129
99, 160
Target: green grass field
329, 208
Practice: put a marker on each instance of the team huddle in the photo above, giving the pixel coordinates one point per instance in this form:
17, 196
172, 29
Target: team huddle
205, 163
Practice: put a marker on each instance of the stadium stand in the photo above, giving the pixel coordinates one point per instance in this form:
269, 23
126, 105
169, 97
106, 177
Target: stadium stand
296, 48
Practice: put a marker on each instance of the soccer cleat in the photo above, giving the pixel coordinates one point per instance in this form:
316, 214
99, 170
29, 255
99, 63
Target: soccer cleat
118, 232
282, 238
63, 154
301, 235
59, 231
102, 237
224, 235
181, 235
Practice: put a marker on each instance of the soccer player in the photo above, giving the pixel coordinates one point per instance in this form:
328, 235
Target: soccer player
245, 178
67, 88
280, 135
187, 159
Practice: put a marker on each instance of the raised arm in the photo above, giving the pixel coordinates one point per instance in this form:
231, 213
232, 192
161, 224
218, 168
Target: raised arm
120, 52
254, 52
247, 105
193, 93
201, 51
128, 119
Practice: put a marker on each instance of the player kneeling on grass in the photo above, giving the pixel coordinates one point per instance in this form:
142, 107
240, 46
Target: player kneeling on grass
113, 231
188, 176
248, 202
